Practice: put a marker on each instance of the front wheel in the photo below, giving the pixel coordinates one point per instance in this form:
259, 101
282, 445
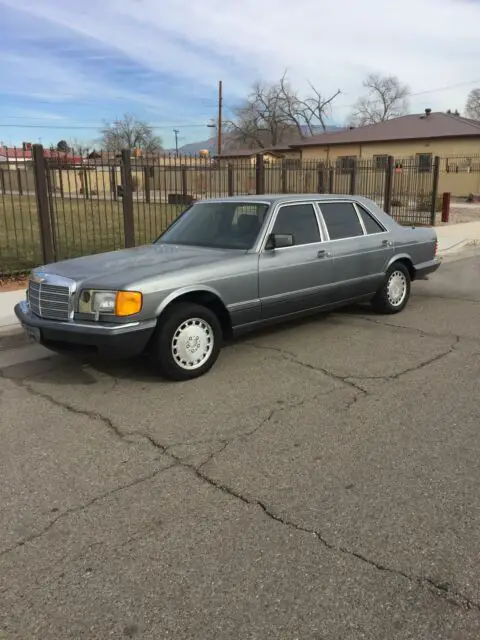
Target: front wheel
393, 295
187, 342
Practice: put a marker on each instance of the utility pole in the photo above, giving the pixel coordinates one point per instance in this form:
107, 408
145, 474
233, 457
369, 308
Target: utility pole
219, 123
176, 132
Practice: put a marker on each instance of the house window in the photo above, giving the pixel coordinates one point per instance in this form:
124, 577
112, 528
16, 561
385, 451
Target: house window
292, 163
346, 164
380, 162
424, 162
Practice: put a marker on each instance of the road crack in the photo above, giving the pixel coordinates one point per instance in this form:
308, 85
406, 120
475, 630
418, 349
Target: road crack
82, 507
438, 589
289, 356
350, 379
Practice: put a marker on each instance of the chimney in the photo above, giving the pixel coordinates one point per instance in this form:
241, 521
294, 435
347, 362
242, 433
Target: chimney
427, 112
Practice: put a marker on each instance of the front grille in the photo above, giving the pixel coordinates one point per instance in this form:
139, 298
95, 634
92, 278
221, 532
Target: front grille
49, 301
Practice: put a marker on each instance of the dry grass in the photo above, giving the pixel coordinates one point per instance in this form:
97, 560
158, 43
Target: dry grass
81, 227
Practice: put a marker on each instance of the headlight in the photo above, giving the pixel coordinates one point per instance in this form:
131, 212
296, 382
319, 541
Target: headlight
103, 301
118, 303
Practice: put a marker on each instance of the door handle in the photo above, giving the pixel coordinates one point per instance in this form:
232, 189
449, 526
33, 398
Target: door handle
322, 253
387, 243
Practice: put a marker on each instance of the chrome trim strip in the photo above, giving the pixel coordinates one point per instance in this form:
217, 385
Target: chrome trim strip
89, 326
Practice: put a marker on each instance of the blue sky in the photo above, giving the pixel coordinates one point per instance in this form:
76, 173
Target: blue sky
68, 66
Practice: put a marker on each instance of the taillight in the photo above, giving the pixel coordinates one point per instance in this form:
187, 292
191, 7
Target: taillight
435, 249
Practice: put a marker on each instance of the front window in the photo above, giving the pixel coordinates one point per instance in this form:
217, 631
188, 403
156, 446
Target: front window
300, 221
218, 225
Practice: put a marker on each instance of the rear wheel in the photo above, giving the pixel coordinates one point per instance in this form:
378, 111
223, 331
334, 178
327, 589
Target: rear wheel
394, 294
187, 342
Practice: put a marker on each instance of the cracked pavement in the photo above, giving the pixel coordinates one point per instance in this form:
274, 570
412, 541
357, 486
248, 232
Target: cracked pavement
322, 482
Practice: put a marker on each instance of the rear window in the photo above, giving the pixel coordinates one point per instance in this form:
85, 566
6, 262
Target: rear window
341, 219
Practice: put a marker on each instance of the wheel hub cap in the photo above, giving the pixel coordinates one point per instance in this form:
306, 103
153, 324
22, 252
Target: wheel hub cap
396, 288
192, 343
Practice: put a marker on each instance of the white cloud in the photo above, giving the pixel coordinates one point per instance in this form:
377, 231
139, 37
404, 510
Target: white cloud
427, 43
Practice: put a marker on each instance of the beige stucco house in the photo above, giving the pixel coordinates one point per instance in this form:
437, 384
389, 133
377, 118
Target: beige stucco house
442, 134
417, 137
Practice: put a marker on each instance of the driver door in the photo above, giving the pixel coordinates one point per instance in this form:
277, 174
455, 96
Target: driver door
297, 278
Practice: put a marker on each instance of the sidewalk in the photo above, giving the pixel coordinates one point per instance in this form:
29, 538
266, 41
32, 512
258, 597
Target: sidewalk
8, 321
452, 239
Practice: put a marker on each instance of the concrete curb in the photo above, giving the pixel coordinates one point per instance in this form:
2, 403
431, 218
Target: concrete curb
458, 247
10, 330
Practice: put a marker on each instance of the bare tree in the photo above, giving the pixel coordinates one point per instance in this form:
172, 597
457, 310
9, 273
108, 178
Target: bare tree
472, 107
386, 98
307, 114
129, 133
274, 113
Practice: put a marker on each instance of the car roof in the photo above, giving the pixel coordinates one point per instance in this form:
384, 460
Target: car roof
295, 197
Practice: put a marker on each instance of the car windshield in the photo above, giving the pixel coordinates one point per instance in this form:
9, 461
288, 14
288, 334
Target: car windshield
219, 225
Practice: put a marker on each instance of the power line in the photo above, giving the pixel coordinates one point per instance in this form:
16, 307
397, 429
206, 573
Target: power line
96, 128
93, 126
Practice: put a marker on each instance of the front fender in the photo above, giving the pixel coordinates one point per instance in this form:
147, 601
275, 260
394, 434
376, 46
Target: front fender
184, 290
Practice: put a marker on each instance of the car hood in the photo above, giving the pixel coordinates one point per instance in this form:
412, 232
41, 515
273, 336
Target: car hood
118, 268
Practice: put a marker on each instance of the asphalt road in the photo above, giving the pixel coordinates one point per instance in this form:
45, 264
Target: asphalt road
322, 482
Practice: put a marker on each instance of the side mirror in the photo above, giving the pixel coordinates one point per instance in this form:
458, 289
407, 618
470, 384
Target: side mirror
279, 241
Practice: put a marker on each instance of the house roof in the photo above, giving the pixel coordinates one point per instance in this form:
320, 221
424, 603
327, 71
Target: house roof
26, 154
411, 127
247, 153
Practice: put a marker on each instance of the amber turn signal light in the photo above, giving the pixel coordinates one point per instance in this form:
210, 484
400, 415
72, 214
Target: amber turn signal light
128, 303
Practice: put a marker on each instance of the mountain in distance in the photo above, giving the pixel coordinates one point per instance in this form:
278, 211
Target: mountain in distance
194, 148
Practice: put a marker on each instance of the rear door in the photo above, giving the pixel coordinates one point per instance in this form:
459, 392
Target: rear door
296, 278
361, 246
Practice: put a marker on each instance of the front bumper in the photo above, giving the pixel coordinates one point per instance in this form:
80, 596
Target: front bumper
105, 339
424, 269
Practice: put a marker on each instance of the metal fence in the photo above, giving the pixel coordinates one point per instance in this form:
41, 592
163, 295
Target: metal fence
55, 206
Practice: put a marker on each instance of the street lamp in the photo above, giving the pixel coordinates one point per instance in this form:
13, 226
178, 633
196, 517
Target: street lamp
213, 125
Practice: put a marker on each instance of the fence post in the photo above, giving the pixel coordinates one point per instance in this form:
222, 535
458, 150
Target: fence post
446, 207
41, 193
331, 178
353, 178
128, 219
321, 178
230, 184
146, 180
113, 182
387, 195
2, 181
436, 174
284, 180
19, 181
259, 174
86, 190
60, 183
184, 185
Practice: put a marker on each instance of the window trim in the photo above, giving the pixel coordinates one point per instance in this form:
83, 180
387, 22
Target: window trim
352, 202
273, 219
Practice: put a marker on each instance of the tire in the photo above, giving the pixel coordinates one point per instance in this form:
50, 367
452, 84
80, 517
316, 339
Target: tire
394, 293
185, 331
